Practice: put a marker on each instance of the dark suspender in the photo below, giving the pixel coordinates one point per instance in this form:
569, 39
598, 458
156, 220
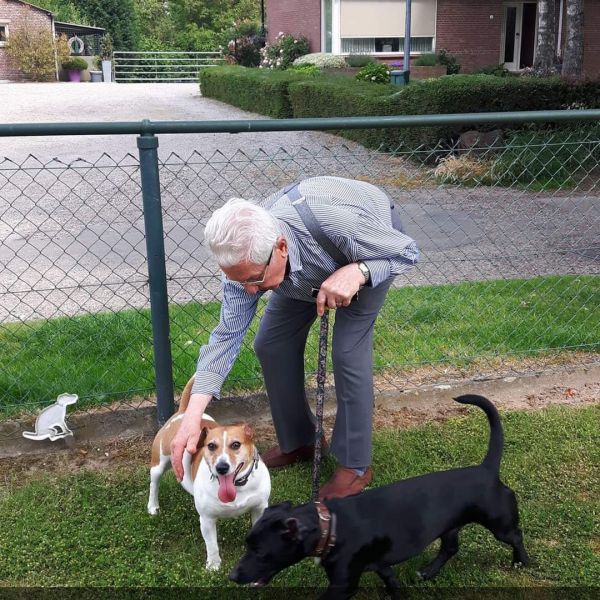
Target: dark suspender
310, 222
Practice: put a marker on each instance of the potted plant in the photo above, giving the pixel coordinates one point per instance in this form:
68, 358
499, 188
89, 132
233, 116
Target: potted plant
96, 74
106, 51
74, 65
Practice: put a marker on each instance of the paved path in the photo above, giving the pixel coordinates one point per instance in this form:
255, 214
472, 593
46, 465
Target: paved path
72, 240
112, 102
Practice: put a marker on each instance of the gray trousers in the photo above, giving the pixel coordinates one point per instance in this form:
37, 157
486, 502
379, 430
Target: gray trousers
280, 344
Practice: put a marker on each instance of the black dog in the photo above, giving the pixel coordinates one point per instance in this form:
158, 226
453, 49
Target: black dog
387, 525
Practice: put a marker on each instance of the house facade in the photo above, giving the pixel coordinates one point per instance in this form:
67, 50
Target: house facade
13, 15
479, 33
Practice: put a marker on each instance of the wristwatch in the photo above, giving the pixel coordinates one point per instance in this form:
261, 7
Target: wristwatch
365, 271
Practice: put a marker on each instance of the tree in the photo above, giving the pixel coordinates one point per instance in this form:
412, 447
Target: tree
545, 52
573, 59
118, 17
63, 10
155, 25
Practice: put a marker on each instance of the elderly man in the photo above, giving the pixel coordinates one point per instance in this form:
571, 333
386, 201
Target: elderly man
276, 246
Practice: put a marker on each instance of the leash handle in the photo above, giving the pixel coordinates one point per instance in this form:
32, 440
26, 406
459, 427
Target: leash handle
321, 377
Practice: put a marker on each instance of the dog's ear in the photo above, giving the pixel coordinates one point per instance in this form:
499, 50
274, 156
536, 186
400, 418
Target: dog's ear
294, 530
249, 432
202, 438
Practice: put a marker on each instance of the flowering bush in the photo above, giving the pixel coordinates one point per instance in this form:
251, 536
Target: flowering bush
375, 73
283, 51
244, 46
323, 60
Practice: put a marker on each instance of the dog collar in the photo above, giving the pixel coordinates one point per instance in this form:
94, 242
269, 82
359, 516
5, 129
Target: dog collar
243, 480
327, 522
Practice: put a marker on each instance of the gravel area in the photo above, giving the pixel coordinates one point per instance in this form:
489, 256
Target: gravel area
71, 225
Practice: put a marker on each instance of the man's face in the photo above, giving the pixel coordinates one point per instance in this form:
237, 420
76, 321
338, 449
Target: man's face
261, 277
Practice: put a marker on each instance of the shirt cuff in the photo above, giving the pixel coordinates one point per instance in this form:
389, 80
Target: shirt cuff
208, 383
379, 269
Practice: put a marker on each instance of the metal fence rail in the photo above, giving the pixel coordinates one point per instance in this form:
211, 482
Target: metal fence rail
138, 67
512, 227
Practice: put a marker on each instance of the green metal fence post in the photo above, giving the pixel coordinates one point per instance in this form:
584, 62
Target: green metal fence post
157, 274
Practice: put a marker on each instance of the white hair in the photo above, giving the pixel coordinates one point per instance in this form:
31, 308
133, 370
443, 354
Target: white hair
241, 231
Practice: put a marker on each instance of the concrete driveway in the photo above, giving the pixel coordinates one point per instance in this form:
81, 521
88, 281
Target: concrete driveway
110, 102
80, 226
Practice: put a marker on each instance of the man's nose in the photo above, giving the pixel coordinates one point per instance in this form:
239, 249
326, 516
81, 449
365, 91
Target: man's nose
251, 289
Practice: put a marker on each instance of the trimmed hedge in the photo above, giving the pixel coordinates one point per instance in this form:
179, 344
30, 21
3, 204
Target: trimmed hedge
449, 94
284, 94
263, 91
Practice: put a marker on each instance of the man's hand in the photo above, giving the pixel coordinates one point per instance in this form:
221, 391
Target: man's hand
339, 288
189, 432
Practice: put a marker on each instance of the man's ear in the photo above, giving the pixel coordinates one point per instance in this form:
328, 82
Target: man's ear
294, 530
282, 245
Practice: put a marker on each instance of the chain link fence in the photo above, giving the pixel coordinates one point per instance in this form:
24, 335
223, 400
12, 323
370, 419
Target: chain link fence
507, 281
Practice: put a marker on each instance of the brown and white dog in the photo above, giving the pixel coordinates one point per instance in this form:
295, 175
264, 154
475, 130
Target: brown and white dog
225, 476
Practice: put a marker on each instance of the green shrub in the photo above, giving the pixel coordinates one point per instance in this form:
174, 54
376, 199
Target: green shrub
306, 69
449, 61
75, 63
426, 60
449, 94
283, 51
495, 70
258, 90
31, 47
245, 42
323, 60
106, 46
374, 73
359, 60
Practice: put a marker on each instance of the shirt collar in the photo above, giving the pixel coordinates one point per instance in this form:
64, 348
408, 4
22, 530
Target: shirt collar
292, 243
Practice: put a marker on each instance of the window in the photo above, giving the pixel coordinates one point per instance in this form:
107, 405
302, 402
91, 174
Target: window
385, 45
3, 33
377, 26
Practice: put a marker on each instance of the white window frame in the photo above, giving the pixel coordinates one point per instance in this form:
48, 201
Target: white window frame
336, 39
5, 23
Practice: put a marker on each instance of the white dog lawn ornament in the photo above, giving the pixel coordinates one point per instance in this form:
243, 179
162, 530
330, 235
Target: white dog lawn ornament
51, 423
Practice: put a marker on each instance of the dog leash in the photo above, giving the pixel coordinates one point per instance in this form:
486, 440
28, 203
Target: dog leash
321, 375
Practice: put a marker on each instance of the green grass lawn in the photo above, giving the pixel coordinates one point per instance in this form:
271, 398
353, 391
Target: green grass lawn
108, 356
91, 529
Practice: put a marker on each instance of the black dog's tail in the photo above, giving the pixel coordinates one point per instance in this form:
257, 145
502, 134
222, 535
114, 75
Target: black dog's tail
494, 453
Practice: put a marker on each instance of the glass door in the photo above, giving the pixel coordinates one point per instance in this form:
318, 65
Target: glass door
513, 21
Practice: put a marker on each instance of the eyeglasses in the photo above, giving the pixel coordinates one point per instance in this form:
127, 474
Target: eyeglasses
264, 273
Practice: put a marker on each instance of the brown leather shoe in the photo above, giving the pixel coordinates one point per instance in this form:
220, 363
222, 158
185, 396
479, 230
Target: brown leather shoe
275, 458
345, 482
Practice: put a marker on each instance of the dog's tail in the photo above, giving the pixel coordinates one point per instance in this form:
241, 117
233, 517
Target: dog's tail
494, 453
185, 396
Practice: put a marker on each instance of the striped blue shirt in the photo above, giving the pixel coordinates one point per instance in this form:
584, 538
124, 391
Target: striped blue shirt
355, 215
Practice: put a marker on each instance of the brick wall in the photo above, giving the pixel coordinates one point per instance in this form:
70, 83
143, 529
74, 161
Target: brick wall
18, 14
591, 48
466, 30
298, 17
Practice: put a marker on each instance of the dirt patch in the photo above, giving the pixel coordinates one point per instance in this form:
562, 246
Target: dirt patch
131, 448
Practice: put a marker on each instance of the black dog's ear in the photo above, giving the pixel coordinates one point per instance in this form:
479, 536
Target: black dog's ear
294, 530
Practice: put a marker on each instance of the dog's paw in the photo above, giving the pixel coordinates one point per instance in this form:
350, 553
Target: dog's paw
153, 510
518, 565
213, 565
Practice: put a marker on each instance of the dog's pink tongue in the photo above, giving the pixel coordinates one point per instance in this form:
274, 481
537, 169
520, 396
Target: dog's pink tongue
226, 488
